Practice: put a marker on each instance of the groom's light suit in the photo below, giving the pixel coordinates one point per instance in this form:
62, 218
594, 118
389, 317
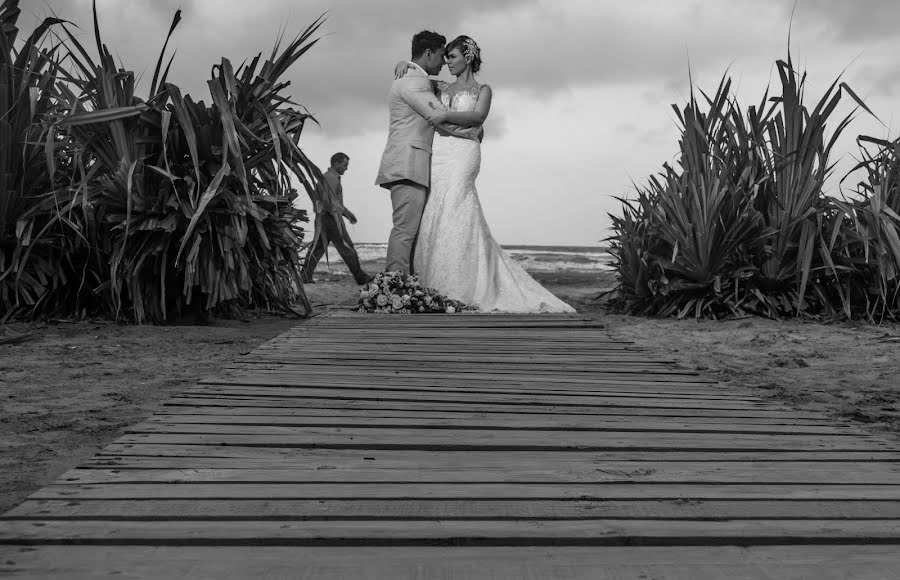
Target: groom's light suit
406, 163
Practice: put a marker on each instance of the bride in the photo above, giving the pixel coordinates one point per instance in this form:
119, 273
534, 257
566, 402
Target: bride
455, 252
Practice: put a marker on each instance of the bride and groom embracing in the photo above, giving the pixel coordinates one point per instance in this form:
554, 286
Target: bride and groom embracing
439, 230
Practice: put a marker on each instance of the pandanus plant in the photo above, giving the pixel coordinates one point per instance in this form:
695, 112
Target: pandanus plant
737, 226
863, 236
192, 203
33, 240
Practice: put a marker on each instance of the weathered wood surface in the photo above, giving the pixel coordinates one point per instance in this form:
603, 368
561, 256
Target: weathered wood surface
467, 446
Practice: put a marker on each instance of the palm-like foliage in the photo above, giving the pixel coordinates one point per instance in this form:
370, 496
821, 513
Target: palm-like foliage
863, 237
797, 157
736, 227
692, 225
31, 247
187, 197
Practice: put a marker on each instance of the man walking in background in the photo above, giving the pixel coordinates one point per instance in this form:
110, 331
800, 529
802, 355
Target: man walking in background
329, 208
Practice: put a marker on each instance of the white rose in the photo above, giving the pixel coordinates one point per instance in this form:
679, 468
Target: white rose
451, 310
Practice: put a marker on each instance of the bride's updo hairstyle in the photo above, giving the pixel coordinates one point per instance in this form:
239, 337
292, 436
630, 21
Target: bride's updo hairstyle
467, 47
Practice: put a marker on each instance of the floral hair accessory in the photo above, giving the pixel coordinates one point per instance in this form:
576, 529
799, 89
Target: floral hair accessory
471, 51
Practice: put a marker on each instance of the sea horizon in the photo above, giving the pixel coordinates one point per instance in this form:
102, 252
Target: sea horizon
532, 257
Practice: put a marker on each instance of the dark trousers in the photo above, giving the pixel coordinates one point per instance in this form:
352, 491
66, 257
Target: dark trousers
340, 239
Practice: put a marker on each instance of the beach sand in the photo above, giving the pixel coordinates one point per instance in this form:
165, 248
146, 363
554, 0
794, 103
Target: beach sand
74, 387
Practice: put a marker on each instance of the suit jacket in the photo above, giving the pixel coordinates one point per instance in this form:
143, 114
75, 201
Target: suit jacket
407, 155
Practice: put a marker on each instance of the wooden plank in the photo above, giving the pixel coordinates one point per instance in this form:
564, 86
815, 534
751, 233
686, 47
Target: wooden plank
351, 418
276, 391
412, 439
474, 323
558, 468
833, 562
280, 414
679, 472
470, 325
261, 455
267, 377
353, 351
280, 454
521, 491
449, 374
411, 375
661, 370
599, 336
518, 334
441, 348
430, 329
460, 344
416, 509
339, 375
458, 432
442, 345
561, 400
197, 400
598, 532
570, 363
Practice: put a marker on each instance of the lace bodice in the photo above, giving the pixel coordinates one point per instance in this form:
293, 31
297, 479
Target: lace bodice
462, 100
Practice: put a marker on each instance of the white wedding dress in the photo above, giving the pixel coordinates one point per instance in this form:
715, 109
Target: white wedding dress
455, 252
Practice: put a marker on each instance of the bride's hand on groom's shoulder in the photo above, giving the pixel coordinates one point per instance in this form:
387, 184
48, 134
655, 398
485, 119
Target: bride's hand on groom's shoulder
401, 69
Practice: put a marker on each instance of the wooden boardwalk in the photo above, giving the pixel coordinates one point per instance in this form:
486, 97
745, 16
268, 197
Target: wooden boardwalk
467, 446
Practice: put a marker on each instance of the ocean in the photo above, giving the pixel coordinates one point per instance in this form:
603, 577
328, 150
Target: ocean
573, 259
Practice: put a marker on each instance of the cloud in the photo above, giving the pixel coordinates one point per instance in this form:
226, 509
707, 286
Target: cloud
343, 80
536, 47
845, 20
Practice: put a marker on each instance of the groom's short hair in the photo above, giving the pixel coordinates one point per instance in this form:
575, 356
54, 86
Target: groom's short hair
426, 40
338, 157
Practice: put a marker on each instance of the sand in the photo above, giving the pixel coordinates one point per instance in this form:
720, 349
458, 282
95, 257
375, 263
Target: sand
75, 386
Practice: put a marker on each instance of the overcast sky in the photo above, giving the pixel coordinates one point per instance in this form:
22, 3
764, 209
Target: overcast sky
582, 88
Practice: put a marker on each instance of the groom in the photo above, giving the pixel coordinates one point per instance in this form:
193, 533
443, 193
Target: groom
406, 163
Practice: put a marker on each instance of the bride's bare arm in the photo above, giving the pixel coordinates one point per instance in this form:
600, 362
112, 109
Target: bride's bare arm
401, 68
466, 118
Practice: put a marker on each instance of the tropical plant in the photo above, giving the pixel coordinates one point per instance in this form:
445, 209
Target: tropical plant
797, 156
33, 243
863, 237
684, 245
735, 228
183, 201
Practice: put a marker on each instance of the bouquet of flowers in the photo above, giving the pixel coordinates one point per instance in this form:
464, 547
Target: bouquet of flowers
395, 293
